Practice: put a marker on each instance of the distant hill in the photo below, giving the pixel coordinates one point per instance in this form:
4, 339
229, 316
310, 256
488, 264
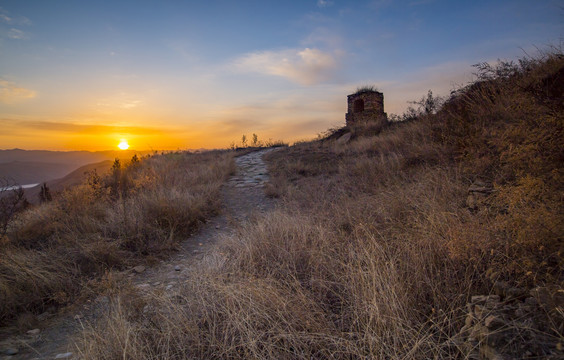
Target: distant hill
76, 177
37, 166
32, 172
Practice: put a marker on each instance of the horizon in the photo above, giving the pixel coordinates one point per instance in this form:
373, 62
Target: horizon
117, 150
194, 76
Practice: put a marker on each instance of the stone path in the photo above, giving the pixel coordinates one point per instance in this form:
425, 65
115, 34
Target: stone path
243, 196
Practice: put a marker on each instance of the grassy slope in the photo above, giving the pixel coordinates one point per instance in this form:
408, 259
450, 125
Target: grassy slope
52, 250
374, 252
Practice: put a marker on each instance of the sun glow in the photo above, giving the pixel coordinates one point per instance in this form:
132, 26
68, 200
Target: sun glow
123, 145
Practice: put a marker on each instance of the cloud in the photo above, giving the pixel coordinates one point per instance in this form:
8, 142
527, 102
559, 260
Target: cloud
120, 101
5, 17
130, 104
66, 127
324, 3
17, 34
307, 66
11, 93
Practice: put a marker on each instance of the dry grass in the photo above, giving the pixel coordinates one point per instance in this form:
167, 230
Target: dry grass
142, 209
373, 251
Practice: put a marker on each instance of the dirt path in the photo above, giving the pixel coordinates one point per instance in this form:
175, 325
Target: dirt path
243, 196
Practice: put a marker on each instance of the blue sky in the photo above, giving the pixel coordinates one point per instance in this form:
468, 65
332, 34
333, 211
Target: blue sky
192, 74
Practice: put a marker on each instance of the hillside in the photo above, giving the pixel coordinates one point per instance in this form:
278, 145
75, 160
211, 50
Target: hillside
438, 236
75, 178
37, 166
33, 172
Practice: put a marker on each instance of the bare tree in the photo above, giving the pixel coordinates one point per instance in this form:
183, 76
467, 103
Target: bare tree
45, 194
12, 199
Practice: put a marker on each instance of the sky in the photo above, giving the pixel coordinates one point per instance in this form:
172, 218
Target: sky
171, 74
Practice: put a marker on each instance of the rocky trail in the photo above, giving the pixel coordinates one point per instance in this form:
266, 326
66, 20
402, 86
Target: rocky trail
243, 196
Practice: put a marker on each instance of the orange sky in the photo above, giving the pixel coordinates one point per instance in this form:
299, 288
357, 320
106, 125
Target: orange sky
199, 74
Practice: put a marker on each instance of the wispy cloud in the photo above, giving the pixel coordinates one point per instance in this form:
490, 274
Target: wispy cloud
17, 34
324, 3
7, 18
119, 101
67, 127
307, 66
130, 104
11, 93
16, 22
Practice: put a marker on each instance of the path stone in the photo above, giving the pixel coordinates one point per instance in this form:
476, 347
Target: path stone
10, 351
33, 332
139, 269
63, 355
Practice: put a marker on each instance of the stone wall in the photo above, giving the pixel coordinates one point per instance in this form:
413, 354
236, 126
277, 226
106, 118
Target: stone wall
366, 107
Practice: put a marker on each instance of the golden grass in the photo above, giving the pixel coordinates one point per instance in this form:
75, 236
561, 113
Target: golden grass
53, 249
373, 251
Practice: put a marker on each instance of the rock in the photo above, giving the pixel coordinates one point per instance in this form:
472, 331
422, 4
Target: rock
177, 268
489, 301
480, 311
33, 332
43, 316
344, 139
139, 269
495, 339
168, 287
10, 351
515, 293
479, 332
496, 330
472, 201
489, 353
493, 322
500, 287
469, 320
63, 355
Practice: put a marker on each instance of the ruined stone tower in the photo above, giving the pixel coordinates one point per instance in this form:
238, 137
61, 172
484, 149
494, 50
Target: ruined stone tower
366, 106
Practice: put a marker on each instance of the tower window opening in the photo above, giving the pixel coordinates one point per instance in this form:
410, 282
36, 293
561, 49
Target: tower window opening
358, 105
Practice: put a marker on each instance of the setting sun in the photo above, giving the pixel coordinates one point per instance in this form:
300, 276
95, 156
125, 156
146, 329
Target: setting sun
123, 145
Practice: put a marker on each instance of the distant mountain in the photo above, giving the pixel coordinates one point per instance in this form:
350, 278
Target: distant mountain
37, 166
75, 157
76, 177
33, 172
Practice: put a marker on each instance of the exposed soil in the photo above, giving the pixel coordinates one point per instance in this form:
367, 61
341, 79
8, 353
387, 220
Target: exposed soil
243, 197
